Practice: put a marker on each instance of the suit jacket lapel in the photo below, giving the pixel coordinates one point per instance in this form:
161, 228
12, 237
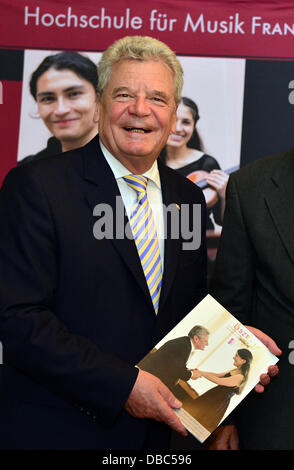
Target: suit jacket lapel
101, 187
171, 246
280, 200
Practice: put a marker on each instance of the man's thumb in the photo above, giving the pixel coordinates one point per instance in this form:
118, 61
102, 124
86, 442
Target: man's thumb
172, 401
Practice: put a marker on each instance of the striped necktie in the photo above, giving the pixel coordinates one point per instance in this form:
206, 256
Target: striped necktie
145, 236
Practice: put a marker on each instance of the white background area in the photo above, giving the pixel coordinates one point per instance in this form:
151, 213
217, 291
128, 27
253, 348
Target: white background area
217, 87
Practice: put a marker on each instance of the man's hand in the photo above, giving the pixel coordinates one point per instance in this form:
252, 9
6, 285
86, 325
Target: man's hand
150, 398
272, 346
223, 438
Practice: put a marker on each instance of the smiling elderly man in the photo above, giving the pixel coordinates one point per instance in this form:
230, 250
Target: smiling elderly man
78, 312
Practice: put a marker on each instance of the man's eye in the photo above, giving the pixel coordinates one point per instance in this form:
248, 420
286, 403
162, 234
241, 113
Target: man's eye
74, 94
158, 100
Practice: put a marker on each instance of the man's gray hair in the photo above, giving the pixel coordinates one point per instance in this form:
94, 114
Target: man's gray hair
199, 331
139, 48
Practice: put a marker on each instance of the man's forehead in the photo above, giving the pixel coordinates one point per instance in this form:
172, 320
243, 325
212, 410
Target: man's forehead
127, 73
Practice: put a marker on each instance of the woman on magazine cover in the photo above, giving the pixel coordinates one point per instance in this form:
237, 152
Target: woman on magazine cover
210, 407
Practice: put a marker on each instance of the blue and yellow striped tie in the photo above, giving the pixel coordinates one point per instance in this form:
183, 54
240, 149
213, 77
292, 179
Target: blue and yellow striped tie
145, 236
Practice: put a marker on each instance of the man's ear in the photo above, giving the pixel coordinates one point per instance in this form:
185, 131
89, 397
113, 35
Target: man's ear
195, 340
97, 109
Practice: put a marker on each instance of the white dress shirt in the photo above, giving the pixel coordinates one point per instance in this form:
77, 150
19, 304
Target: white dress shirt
129, 196
191, 355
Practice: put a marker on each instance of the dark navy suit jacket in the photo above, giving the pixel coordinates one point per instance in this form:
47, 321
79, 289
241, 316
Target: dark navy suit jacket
75, 311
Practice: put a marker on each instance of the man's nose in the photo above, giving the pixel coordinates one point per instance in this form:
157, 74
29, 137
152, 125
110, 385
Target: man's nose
140, 107
62, 106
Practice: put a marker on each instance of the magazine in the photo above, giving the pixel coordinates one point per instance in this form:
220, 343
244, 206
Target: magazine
210, 361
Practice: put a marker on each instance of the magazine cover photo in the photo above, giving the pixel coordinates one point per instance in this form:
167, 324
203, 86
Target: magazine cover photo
210, 361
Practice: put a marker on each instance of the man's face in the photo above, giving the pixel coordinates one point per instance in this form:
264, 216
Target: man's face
200, 343
67, 105
137, 111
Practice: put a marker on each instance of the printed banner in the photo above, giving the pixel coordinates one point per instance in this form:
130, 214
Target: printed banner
217, 28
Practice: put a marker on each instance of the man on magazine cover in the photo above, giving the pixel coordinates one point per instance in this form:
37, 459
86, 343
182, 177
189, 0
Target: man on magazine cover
79, 310
169, 362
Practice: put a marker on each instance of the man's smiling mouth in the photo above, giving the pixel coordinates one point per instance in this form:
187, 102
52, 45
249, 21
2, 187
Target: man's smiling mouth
140, 130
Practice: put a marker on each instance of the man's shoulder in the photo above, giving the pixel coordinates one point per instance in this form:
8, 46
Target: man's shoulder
174, 175
53, 148
180, 183
54, 177
179, 341
49, 168
54, 168
255, 173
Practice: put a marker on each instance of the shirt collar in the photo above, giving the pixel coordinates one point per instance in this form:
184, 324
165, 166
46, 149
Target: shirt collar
119, 170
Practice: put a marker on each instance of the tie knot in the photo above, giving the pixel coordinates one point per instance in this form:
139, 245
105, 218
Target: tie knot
137, 182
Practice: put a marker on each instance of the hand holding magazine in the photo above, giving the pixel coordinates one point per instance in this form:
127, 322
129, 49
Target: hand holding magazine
210, 362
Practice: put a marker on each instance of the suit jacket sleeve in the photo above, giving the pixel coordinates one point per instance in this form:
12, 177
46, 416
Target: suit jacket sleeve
177, 353
34, 339
233, 278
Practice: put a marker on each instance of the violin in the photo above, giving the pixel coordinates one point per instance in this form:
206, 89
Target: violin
197, 176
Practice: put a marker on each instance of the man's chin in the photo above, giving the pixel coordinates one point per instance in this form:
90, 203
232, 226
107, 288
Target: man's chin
135, 151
